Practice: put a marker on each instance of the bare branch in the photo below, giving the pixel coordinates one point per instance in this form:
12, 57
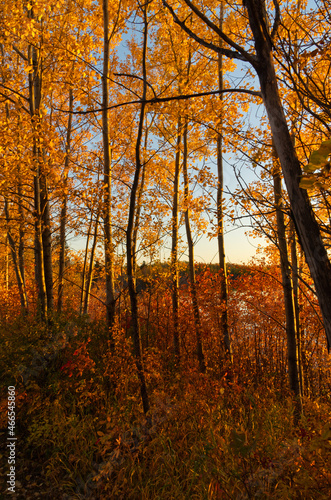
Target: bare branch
231, 54
14, 91
138, 78
24, 57
247, 57
6, 97
157, 100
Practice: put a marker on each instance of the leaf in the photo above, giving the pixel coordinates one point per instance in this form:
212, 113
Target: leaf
319, 158
306, 182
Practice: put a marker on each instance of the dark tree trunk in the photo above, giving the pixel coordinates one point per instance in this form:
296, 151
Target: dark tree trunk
110, 294
88, 284
174, 248
35, 85
63, 215
220, 213
46, 238
295, 281
130, 247
15, 257
84, 274
306, 225
194, 295
291, 326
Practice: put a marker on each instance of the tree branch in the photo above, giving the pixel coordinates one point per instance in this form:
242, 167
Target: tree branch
242, 55
138, 78
247, 57
157, 100
276, 21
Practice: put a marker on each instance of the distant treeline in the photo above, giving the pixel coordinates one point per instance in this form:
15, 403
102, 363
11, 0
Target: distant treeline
152, 272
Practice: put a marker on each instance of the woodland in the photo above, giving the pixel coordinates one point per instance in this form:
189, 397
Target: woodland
133, 370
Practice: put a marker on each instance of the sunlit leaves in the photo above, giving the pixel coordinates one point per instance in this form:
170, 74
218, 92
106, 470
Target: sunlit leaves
319, 160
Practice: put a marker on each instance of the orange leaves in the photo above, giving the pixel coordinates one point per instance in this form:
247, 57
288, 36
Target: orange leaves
80, 362
319, 160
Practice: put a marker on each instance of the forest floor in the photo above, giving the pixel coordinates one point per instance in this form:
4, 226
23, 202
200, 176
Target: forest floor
81, 432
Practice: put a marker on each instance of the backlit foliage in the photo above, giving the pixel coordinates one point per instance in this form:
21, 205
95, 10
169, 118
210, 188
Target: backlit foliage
231, 431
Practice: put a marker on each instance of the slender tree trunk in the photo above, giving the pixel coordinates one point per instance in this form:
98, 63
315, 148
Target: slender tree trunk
137, 216
294, 265
110, 294
291, 330
35, 85
21, 228
220, 213
89, 276
130, 247
38, 250
174, 246
305, 221
295, 282
46, 237
15, 257
196, 312
63, 215
84, 279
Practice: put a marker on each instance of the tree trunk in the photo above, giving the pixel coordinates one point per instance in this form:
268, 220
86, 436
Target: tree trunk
35, 85
295, 281
137, 213
46, 237
220, 213
196, 312
130, 247
63, 215
305, 222
174, 247
110, 295
21, 230
15, 257
291, 327
84, 278
89, 276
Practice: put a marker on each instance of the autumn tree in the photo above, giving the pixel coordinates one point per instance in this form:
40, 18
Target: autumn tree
264, 25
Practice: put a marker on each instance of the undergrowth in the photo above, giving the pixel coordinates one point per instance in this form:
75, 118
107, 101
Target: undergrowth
82, 433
